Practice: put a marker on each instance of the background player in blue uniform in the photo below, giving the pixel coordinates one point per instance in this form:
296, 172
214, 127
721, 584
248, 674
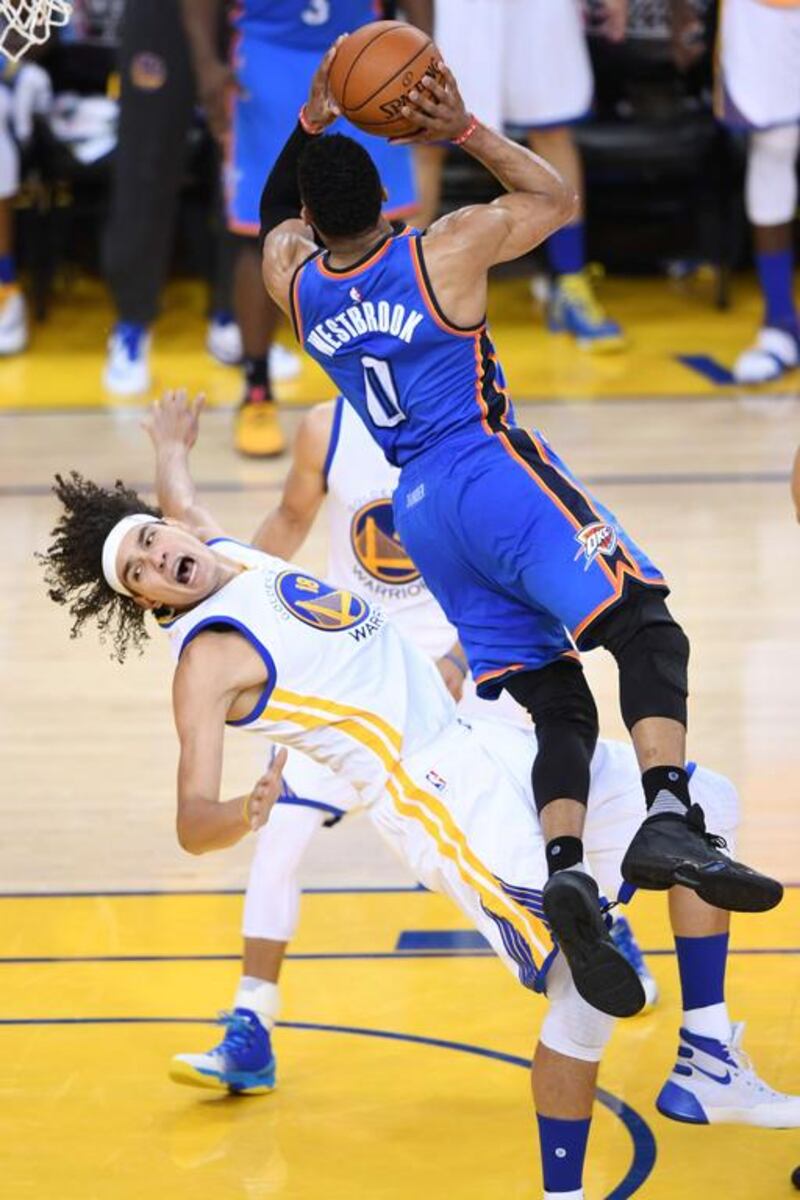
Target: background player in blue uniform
510, 543
275, 49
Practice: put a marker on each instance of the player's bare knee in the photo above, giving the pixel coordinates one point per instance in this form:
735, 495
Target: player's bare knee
571, 1026
652, 654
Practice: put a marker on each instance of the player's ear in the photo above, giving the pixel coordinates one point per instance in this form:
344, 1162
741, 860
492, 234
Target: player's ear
385, 194
305, 216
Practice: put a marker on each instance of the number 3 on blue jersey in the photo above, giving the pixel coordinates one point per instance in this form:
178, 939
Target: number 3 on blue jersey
383, 404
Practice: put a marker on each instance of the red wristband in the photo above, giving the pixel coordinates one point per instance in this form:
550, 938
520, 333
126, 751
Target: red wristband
308, 128
472, 125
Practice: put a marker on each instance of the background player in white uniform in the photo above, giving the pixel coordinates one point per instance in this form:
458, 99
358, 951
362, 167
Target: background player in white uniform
266, 647
758, 91
337, 462
525, 64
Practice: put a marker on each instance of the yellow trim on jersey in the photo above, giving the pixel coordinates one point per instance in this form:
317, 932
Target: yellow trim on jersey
450, 840
282, 696
348, 726
413, 802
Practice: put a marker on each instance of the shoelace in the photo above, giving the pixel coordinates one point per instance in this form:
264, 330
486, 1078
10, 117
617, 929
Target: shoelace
695, 819
238, 1032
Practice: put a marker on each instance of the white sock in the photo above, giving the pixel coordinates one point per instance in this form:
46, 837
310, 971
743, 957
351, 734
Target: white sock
260, 997
711, 1022
579, 1195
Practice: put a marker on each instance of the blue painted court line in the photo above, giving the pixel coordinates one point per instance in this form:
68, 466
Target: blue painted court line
711, 478
399, 889
441, 939
708, 367
472, 949
123, 893
640, 1133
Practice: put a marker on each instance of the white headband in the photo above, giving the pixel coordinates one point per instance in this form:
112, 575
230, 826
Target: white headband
111, 549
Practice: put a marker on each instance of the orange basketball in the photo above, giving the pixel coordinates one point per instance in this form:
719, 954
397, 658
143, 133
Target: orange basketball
374, 70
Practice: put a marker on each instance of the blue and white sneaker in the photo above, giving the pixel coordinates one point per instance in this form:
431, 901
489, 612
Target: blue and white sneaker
573, 308
774, 352
623, 939
714, 1083
127, 367
242, 1062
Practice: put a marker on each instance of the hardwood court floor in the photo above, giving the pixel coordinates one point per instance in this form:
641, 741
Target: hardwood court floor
100, 989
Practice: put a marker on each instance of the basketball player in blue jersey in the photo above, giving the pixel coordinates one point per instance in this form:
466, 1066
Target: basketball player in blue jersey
276, 46
525, 563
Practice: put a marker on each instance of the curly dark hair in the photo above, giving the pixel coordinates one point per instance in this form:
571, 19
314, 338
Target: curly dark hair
73, 568
340, 185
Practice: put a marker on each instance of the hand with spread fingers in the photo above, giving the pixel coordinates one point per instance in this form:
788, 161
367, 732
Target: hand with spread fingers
259, 804
435, 105
174, 418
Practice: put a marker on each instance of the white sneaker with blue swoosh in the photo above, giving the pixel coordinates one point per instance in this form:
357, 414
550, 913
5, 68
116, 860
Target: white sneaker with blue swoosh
714, 1083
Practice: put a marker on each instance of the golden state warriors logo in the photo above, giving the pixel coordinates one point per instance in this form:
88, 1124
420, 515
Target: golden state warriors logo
318, 604
377, 546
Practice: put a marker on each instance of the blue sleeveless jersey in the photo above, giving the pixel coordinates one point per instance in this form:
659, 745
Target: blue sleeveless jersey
377, 331
303, 24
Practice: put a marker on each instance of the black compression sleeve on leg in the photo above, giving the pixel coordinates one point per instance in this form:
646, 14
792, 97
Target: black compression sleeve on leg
280, 198
652, 654
559, 701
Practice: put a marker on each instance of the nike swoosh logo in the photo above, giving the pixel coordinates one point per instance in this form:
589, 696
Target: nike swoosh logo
723, 1079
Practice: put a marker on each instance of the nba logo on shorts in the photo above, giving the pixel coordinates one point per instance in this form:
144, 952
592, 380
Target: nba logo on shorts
594, 539
435, 780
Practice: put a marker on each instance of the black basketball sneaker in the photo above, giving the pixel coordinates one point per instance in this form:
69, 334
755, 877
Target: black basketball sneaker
601, 973
671, 849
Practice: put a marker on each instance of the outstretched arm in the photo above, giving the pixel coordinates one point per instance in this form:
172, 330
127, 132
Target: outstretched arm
286, 240
212, 672
460, 248
172, 424
283, 531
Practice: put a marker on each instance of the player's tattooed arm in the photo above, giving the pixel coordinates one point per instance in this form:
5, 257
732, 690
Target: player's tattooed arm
172, 424
461, 247
283, 531
215, 671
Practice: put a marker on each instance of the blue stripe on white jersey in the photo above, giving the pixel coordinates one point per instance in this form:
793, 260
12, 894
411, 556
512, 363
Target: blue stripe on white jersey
375, 328
303, 24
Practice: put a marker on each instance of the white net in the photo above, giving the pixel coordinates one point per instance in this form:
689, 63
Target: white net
26, 23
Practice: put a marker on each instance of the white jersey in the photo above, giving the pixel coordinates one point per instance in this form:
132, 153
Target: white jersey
342, 686
365, 553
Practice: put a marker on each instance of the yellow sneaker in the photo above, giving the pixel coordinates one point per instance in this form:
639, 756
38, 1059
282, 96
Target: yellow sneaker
257, 431
573, 308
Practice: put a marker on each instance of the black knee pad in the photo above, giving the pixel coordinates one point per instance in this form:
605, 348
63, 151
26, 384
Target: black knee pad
564, 713
652, 654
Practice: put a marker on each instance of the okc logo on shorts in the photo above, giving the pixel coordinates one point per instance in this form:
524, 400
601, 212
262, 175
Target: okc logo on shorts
594, 539
377, 546
316, 603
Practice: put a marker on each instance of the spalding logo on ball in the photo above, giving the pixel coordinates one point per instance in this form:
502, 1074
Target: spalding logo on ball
374, 70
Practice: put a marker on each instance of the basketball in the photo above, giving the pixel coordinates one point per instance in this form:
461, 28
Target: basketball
374, 70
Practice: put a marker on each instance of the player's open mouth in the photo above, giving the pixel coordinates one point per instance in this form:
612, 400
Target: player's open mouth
185, 569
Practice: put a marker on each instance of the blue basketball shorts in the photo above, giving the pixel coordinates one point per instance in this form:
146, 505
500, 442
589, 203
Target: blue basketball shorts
274, 82
522, 558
